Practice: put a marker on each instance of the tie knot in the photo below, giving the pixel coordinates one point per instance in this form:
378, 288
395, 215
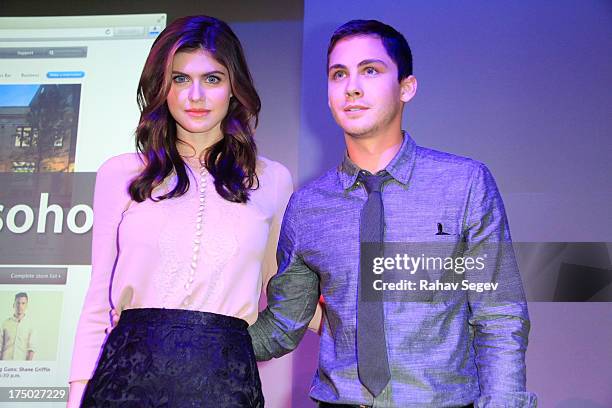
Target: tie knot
374, 182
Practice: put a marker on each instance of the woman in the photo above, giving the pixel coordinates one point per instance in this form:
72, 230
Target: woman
184, 235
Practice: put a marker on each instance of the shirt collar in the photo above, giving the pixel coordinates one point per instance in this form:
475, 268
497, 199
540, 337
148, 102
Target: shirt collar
15, 319
399, 167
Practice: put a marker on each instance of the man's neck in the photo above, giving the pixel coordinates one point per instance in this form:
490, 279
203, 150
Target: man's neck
373, 153
18, 317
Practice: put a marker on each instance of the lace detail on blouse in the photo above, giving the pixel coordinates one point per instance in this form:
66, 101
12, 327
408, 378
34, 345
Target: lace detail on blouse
218, 243
173, 268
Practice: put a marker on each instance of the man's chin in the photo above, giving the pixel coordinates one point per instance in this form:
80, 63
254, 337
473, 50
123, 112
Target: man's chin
359, 133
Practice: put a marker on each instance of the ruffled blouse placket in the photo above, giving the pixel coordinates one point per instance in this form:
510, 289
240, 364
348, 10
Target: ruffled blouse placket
197, 241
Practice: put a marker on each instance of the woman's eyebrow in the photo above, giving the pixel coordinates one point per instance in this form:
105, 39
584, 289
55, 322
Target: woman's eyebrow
216, 72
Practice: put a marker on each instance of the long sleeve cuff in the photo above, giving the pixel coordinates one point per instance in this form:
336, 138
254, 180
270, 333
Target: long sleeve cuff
507, 400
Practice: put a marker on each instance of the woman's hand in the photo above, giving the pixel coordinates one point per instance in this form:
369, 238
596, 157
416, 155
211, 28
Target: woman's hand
75, 395
114, 320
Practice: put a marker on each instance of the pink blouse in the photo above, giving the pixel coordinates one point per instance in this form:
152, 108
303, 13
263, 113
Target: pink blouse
196, 252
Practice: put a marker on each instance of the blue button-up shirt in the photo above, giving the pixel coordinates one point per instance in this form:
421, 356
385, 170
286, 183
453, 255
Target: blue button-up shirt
441, 354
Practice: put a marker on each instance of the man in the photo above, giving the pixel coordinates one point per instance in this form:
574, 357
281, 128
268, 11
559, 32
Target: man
388, 351
17, 339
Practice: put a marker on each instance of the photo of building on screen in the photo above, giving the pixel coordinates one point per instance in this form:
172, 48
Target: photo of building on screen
38, 127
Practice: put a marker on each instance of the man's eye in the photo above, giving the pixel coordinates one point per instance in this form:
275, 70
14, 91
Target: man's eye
180, 79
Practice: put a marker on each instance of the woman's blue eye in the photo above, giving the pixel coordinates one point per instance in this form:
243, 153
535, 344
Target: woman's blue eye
371, 71
179, 79
213, 79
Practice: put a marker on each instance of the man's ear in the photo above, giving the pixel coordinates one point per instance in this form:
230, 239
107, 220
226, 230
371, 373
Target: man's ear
408, 88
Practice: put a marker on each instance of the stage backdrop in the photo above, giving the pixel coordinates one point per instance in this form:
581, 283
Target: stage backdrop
523, 88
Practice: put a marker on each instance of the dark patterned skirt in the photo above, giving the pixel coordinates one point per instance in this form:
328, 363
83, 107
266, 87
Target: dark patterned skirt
176, 358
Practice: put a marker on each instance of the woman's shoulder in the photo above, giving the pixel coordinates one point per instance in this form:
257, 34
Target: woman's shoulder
276, 182
122, 165
267, 168
115, 174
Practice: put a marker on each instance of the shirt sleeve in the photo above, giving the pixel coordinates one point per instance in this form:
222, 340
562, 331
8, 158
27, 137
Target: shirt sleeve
2, 340
32, 340
284, 189
110, 200
499, 319
292, 295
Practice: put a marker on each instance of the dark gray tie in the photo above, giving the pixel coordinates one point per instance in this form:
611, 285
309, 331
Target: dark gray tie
372, 361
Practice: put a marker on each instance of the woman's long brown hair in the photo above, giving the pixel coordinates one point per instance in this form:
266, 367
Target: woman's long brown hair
231, 161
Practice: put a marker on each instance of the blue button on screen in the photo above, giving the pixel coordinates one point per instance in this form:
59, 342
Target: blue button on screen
65, 74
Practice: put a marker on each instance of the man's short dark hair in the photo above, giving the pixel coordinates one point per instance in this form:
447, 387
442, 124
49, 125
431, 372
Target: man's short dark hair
394, 42
20, 295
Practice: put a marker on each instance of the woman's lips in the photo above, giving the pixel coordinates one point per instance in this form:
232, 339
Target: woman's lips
197, 113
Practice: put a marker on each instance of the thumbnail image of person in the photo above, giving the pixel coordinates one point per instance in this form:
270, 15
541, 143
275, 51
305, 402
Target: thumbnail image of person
18, 336
460, 352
